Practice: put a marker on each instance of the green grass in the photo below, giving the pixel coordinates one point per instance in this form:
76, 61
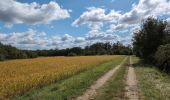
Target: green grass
71, 87
114, 89
154, 85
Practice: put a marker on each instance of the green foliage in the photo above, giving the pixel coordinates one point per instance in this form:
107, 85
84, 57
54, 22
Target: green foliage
31, 54
2, 57
153, 84
71, 87
94, 49
150, 41
72, 54
162, 57
114, 89
10, 52
108, 48
152, 34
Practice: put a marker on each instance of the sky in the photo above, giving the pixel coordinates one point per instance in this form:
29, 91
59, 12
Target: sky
51, 24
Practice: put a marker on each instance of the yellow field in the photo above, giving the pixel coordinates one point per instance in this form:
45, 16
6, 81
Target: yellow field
19, 76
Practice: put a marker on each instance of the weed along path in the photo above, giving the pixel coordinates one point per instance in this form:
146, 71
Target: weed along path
131, 81
91, 92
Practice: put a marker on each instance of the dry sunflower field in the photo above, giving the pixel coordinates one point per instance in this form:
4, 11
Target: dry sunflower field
19, 76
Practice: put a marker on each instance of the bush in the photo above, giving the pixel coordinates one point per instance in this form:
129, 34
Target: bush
22, 55
31, 54
72, 54
162, 57
2, 57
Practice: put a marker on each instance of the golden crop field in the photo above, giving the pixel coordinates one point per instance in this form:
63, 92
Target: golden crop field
19, 76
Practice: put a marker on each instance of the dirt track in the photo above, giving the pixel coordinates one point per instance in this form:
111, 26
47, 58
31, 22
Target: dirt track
131, 88
91, 92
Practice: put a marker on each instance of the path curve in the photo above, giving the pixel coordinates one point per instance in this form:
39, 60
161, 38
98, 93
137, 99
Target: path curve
91, 92
131, 81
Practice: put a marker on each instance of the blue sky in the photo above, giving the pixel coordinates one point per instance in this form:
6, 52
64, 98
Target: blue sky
49, 24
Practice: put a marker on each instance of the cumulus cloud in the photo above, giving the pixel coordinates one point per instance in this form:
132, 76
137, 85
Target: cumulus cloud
118, 27
118, 22
114, 22
144, 9
94, 17
163, 7
80, 40
168, 20
28, 38
14, 12
99, 36
124, 31
32, 39
67, 38
139, 12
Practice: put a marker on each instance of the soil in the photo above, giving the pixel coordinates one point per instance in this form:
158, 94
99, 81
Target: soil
92, 91
131, 81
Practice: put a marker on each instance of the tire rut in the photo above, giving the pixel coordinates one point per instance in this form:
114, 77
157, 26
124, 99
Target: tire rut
131, 81
92, 91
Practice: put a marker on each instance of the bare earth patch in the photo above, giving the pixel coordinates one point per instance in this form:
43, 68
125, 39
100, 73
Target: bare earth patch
131, 81
92, 91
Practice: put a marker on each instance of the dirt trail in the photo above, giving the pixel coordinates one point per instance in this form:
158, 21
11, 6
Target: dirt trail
91, 92
131, 88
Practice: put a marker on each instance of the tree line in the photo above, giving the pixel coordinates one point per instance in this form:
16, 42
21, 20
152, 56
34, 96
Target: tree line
10, 52
152, 43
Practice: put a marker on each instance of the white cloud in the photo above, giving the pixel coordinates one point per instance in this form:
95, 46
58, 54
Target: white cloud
118, 22
98, 36
14, 12
117, 27
25, 40
144, 9
126, 40
80, 40
32, 39
2, 37
94, 17
28, 37
168, 20
163, 7
67, 38
124, 31
115, 23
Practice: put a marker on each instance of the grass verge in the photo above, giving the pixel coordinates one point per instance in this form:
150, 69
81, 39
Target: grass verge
71, 87
154, 85
114, 89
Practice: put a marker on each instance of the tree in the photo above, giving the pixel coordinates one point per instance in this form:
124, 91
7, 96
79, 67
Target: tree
152, 34
10, 52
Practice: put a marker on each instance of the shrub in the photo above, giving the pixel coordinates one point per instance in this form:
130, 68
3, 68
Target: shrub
72, 54
2, 57
162, 57
22, 55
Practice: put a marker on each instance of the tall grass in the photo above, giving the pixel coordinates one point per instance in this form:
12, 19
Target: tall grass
154, 84
19, 76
